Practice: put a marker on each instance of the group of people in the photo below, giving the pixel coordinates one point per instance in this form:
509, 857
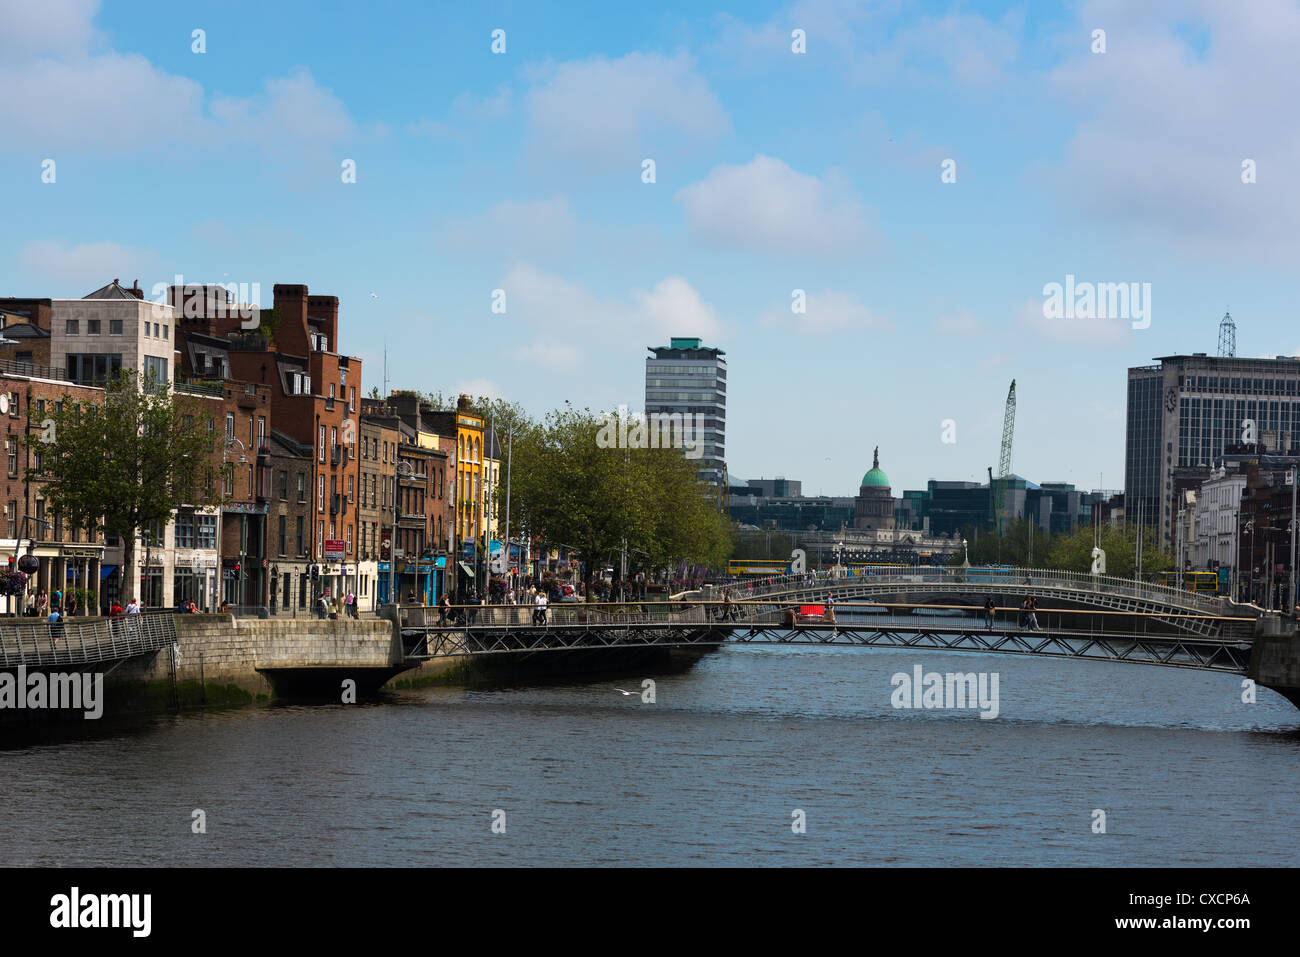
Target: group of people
1028, 613
334, 607
43, 606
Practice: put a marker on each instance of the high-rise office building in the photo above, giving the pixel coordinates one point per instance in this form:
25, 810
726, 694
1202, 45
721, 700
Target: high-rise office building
1182, 414
689, 379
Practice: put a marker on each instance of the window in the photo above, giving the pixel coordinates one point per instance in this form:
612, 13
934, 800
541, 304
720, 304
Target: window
230, 425
11, 515
115, 327
206, 531
284, 537
302, 486
321, 443
72, 327
352, 397
155, 372
320, 493
11, 445
284, 485
299, 522
13, 405
349, 551
91, 368
165, 331
261, 431
92, 327
185, 530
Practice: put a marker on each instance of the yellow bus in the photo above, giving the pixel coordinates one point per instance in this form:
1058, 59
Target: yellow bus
741, 567
1205, 582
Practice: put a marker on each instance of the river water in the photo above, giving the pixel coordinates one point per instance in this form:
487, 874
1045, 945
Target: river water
712, 773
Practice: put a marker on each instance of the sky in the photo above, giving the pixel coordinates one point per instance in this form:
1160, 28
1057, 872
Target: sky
917, 177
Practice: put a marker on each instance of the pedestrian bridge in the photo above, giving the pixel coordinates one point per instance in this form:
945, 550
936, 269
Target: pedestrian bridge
1078, 616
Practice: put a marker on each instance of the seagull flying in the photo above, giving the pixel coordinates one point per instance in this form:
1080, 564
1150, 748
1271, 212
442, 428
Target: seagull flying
374, 295
625, 693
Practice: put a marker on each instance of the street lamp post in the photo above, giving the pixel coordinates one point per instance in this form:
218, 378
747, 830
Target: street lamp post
1250, 560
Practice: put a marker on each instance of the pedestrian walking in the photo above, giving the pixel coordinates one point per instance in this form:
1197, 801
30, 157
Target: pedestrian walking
539, 608
989, 609
322, 608
830, 611
1033, 614
1024, 612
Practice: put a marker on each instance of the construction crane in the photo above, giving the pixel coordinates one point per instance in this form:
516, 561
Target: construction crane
998, 487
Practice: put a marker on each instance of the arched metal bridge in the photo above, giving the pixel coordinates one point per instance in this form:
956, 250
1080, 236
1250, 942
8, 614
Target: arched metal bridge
1078, 616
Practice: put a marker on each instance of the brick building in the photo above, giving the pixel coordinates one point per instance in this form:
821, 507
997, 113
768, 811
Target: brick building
313, 395
69, 557
380, 436
289, 524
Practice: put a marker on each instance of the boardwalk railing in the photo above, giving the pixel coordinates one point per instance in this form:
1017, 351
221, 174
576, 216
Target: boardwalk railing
37, 644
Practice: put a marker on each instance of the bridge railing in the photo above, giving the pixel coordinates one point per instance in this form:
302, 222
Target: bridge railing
979, 575
83, 641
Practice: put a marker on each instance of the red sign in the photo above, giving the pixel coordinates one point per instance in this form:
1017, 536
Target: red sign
334, 550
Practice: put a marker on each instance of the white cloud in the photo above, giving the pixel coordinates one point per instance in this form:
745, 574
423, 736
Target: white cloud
768, 206
61, 92
466, 113
292, 112
877, 43
1168, 121
826, 312
30, 31
674, 308
571, 313
614, 113
78, 269
532, 230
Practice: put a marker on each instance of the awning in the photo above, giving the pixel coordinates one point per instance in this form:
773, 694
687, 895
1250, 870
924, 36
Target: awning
106, 570
466, 569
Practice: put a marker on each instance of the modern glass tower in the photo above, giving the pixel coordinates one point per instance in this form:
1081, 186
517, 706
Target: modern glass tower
689, 379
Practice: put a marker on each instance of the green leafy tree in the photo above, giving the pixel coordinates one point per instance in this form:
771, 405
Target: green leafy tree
572, 491
126, 463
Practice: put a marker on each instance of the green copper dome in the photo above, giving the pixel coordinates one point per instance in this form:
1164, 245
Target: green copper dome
875, 478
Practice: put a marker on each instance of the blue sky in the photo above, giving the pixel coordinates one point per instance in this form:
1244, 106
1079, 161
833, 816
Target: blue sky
775, 171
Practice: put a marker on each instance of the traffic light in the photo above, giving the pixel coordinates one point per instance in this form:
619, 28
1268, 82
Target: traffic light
11, 563
238, 571
315, 572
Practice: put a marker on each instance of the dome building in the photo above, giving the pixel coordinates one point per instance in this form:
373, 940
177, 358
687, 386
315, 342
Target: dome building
873, 509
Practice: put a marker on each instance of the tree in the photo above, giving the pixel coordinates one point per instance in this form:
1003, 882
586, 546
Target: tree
571, 491
126, 463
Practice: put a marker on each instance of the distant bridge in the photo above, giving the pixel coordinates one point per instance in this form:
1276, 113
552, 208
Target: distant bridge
1081, 616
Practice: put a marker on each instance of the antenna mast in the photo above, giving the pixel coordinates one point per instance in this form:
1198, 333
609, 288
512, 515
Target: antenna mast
1227, 337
